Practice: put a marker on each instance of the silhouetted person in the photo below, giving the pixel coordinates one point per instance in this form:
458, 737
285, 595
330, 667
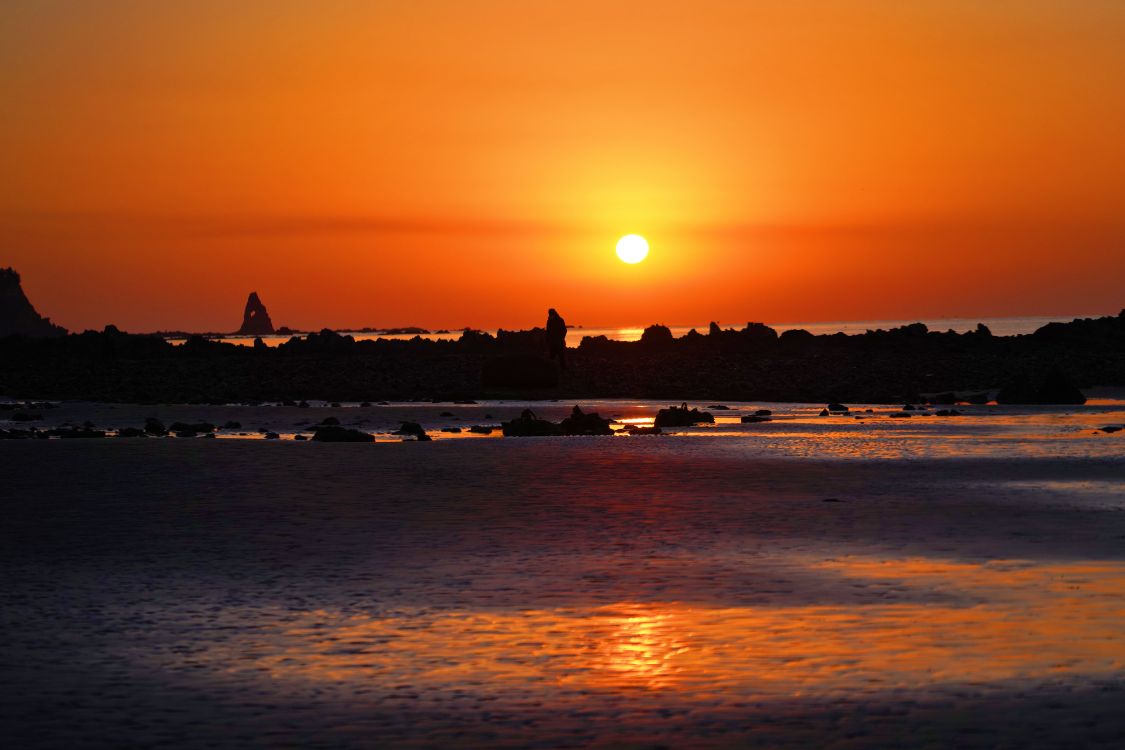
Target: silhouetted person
556, 337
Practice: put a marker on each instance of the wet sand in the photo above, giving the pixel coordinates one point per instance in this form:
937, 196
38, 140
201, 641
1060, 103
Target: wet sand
684, 591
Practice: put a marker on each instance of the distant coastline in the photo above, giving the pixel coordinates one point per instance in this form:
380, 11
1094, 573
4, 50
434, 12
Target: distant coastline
1000, 326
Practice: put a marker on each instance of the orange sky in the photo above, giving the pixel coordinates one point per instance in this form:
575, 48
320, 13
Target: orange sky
446, 163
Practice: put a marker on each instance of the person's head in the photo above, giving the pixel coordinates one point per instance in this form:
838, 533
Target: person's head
552, 313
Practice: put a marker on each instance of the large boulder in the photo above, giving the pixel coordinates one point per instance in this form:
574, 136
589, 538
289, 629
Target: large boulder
336, 434
529, 425
682, 416
580, 423
17, 315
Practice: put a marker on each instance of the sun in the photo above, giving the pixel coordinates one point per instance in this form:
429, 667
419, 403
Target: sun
632, 248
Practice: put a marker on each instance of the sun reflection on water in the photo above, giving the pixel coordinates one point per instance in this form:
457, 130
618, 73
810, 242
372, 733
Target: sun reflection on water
985, 624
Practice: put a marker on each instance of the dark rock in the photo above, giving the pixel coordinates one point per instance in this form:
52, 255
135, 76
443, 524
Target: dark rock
192, 427
365, 405
1053, 388
977, 398
413, 429
579, 423
131, 432
837, 407
947, 413
300, 437
900, 415
657, 336
329, 421
77, 432
336, 434
719, 407
155, 427
682, 416
824, 412
480, 429
636, 429
272, 436
17, 315
303, 405
763, 413
452, 430
909, 407
255, 319
754, 418
519, 371
529, 425
1110, 429
446, 414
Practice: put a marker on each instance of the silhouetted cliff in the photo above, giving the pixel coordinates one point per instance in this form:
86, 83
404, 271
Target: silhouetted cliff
17, 315
904, 364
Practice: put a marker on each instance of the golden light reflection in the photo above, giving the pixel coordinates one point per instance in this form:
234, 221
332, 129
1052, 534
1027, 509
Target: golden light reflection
986, 623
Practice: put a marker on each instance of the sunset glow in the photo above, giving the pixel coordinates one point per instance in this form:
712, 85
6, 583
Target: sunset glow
379, 164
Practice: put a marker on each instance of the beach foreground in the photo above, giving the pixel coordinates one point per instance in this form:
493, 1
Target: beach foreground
907, 583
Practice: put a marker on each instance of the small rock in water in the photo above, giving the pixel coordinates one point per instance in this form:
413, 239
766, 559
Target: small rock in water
1112, 428
413, 429
335, 434
272, 436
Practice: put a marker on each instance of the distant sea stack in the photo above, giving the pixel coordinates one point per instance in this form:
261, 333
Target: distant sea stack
17, 315
256, 319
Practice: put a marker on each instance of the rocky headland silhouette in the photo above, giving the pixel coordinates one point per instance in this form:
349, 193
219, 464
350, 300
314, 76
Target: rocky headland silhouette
17, 315
910, 364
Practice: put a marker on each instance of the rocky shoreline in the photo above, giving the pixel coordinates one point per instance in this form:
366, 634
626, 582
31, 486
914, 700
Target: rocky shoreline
907, 364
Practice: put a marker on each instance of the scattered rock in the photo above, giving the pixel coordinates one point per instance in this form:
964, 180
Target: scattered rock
529, 425
413, 429
682, 416
480, 429
272, 436
947, 413
900, 415
190, 427
579, 423
754, 418
336, 434
451, 430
